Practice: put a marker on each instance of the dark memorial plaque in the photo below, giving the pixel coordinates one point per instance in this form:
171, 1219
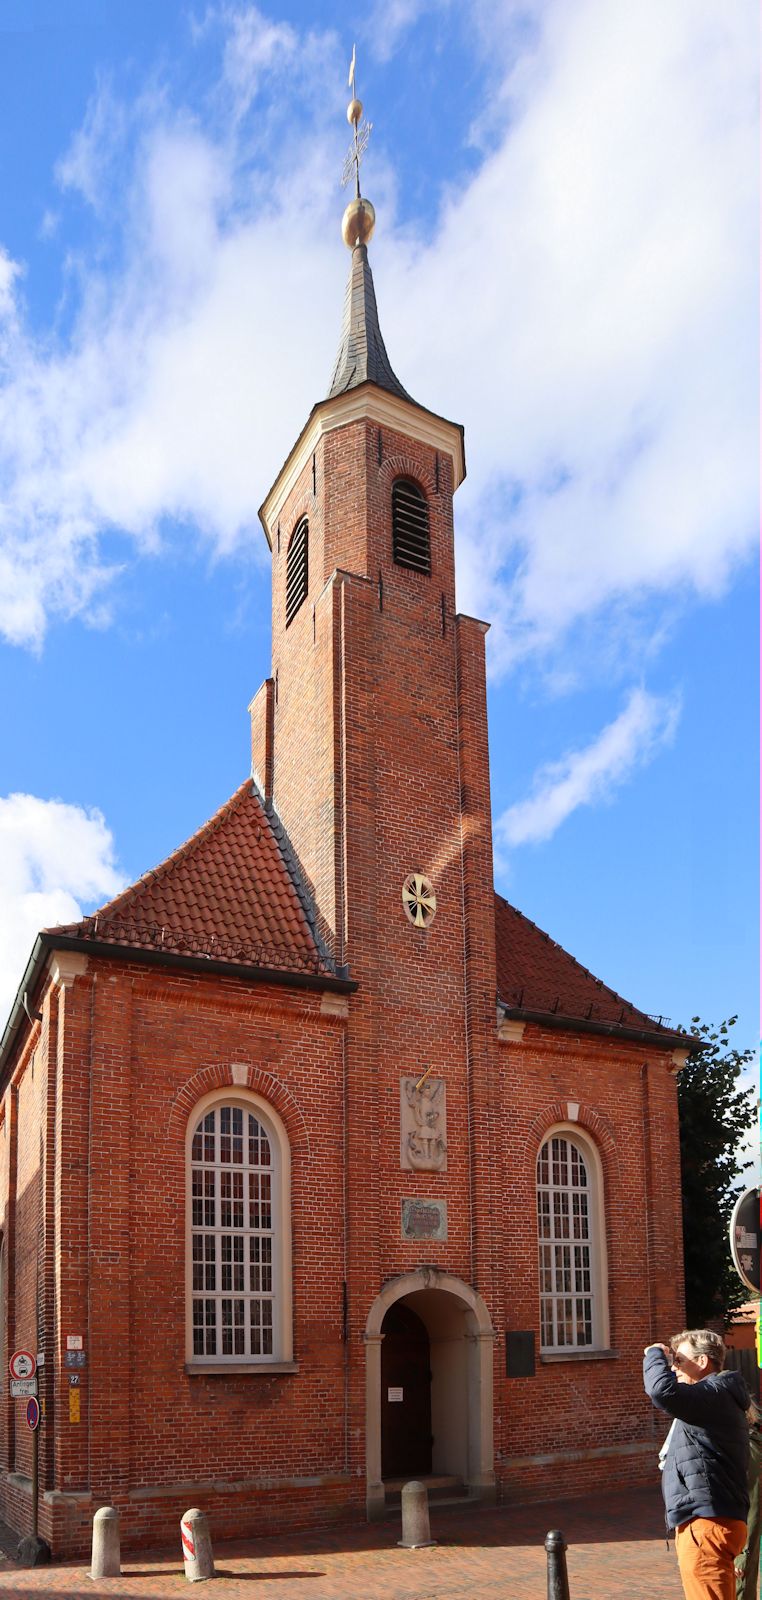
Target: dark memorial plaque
519, 1354
424, 1219
745, 1239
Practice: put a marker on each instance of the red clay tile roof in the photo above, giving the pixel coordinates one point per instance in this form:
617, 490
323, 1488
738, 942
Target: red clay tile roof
534, 974
226, 893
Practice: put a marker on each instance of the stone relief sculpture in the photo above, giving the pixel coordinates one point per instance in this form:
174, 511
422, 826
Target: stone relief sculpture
423, 1125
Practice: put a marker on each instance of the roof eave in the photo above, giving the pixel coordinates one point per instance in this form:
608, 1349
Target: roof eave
45, 942
27, 988
661, 1039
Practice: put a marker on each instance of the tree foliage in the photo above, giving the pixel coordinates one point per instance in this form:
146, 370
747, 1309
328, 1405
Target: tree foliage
714, 1116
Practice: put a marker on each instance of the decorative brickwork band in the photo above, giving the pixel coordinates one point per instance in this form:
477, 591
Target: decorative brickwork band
586, 1117
260, 1082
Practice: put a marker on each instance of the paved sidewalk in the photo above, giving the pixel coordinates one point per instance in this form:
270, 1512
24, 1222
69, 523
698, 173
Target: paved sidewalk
616, 1544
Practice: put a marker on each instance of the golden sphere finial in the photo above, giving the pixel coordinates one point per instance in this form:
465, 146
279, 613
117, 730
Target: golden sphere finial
358, 222
354, 111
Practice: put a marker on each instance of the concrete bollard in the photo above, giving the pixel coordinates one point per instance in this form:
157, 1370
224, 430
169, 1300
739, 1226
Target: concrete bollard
416, 1534
558, 1582
197, 1546
106, 1559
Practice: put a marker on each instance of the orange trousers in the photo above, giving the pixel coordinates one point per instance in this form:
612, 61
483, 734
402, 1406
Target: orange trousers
706, 1551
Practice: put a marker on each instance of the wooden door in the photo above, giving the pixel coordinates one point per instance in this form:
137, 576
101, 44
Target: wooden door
405, 1395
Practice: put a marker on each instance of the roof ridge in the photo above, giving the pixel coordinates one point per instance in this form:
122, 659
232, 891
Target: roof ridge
296, 876
169, 862
628, 1005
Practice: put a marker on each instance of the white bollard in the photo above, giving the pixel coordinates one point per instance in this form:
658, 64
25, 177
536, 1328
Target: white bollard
416, 1534
197, 1546
106, 1562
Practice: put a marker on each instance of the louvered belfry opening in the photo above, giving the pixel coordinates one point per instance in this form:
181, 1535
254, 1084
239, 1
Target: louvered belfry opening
411, 544
297, 573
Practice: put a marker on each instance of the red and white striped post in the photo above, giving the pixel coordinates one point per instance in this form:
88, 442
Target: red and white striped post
196, 1542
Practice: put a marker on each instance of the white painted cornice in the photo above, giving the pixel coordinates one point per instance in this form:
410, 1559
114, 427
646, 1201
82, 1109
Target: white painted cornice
366, 402
509, 1029
334, 1005
679, 1058
65, 966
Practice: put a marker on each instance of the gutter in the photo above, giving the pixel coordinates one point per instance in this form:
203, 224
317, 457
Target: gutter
612, 1030
45, 942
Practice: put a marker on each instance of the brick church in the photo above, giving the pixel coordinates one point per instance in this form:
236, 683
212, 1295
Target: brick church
321, 1166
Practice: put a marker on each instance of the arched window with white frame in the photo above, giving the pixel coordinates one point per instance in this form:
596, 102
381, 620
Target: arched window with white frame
238, 1233
571, 1242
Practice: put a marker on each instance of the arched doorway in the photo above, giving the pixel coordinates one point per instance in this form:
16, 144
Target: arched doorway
405, 1394
434, 1309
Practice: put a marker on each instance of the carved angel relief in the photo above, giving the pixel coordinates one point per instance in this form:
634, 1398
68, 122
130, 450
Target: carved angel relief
423, 1125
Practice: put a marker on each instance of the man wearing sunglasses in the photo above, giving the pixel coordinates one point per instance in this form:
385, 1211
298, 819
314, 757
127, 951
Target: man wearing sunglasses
704, 1481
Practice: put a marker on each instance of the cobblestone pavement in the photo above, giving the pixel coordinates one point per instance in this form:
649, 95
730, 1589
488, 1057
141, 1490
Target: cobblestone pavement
616, 1542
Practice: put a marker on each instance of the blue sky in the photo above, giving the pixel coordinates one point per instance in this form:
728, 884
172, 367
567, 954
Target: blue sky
564, 261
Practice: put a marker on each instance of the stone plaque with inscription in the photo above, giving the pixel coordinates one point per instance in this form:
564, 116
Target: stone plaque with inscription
424, 1219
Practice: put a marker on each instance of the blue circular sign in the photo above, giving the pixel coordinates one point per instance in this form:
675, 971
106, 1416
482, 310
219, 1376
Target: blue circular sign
32, 1413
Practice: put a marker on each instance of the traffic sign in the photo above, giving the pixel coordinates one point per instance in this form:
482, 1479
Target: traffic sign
745, 1235
21, 1388
22, 1364
32, 1413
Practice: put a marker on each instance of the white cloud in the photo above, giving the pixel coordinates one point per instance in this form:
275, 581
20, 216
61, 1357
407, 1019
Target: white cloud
53, 858
603, 361
583, 305
391, 20
590, 776
254, 46
85, 166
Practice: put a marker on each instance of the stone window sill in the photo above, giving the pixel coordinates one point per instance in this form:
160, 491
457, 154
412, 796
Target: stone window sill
552, 1356
243, 1369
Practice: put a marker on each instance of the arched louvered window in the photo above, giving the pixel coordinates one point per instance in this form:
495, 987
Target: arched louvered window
297, 569
411, 545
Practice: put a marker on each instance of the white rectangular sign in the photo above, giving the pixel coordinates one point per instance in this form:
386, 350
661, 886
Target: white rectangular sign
22, 1388
74, 1341
394, 1394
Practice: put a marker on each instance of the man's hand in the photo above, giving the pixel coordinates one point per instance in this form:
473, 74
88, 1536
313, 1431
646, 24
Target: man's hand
663, 1347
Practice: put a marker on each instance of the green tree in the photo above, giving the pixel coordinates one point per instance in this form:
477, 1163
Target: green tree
714, 1116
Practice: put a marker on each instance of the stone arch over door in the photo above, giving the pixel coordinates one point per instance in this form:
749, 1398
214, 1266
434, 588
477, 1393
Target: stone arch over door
463, 1340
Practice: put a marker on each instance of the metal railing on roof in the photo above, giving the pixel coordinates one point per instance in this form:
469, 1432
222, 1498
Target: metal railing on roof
552, 1004
215, 947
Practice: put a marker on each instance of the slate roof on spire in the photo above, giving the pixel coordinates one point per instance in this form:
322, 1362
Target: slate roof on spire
362, 356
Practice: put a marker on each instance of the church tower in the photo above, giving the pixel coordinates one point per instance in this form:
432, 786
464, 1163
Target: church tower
370, 746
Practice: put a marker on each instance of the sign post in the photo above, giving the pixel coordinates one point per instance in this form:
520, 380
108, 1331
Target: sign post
33, 1551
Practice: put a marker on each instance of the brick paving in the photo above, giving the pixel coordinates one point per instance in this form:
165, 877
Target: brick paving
616, 1542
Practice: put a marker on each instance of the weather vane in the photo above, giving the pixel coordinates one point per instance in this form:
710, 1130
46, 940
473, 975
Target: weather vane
361, 135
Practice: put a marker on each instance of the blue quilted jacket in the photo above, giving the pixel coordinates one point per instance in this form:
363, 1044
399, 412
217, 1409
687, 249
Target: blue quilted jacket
705, 1473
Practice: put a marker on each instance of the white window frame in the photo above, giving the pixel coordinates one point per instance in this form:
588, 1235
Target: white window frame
590, 1154
248, 1102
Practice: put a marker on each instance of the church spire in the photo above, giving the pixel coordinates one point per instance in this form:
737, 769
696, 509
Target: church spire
362, 356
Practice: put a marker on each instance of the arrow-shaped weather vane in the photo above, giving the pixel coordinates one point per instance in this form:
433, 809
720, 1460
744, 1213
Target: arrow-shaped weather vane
362, 132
